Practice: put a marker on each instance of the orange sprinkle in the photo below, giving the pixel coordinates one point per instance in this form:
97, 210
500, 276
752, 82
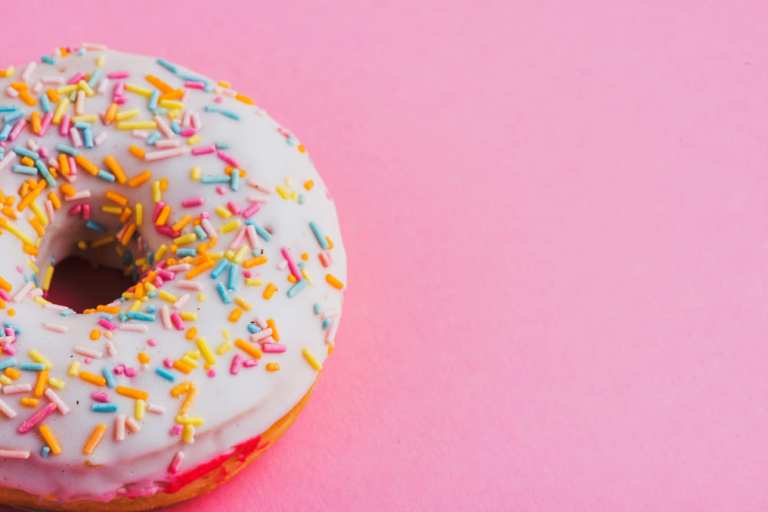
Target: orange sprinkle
136, 394
95, 334
273, 366
333, 281
252, 350
115, 168
92, 378
191, 333
196, 271
258, 260
12, 373
235, 315
136, 151
269, 291
87, 165
41, 383
143, 358
5, 285
94, 439
140, 179
272, 325
49, 438
164, 87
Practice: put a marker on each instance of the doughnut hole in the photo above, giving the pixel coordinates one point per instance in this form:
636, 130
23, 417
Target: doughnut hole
86, 273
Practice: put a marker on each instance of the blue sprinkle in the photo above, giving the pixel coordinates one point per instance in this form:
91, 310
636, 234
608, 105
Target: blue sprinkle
81, 125
138, 315
234, 182
21, 151
47, 59
9, 325
46, 175
95, 78
31, 367
45, 451
104, 407
316, 308
231, 284
200, 232
152, 294
13, 116
221, 266
326, 323
106, 176
223, 294
167, 65
153, 138
107, 373
88, 137
176, 127
263, 233
214, 180
186, 251
162, 372
95, 226
296, 288
45, 103
222, 111
5, 131
253, 328
63, 148
8, 362
4, 109
221, 146
318, 235
153, 100
23, 169
151, 309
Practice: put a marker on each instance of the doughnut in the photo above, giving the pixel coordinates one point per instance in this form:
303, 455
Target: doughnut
233, 247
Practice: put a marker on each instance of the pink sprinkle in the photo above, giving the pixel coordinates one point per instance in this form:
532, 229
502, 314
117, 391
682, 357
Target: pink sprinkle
72, 165
116, 75
167, 363
272, 348
189, 132
119, 369
173, 468
36, 418
45, 124
251, 210
16, 131
156, 211
193, 202
195, 85
75, 210
178, 323
325, 259
228, 159
291, 264
10, 332
86, 211
211, 373
233, 208
246, 274
130, 372
166, 231
166, 275
65, 125
207, 150
107, 324
250, 363
9, 350
176, 430
4, 295
152, 342
100, 396
221, 190
234, 366
75, 79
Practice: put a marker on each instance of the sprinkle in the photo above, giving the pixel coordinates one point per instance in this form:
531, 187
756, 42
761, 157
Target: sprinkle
120, 427
14, 454
333, 281
50, 439
7, 410
140, 406
175, 464
92, 378
56, 400
162, 372
136, 394
318, 235
132, 425
104, 408
108, 377
94, 439
311, 359
252, 350
61, 329
37, 417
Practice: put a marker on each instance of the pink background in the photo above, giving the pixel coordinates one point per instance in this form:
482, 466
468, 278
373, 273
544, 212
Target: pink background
556, 217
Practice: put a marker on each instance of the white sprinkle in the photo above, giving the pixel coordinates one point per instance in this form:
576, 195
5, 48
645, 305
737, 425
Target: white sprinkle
164, 128
156, 409
168, 153
120, 427
165, 317
133, 327
264, 333
81, 194
111, 350
132, 425
7, 160
56, 399
15, 389
14, 454
61, 329
179, 267
100, 138
23, 292
27, 74
189, 285
7, 410
181, 301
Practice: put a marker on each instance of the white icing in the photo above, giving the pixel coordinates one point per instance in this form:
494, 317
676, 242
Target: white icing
235, 408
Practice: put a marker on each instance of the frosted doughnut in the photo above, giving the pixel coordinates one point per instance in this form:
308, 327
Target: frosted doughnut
228, 231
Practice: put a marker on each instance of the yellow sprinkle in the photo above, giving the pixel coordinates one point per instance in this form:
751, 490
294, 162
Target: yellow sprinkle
187, 239
241, 254
5, 380
167, 297
201, 297
252, 281
189, 316
74, 369
61, 109
85, 118
67, 89
195, 173
127, 114
185, 420
194, 140
171, 104
37, 357
223, 212
223, 347
56, 383
230, 226
50, 439
157, 194
83, 86
160, 252
100, 61
94, 439
102, 242
113, 210
188, 434
139, 409
138, 90
311, 359
205, 350
139, 212
136, 125
272, 325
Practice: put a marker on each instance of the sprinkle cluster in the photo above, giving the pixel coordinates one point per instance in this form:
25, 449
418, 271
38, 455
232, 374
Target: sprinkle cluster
208, 248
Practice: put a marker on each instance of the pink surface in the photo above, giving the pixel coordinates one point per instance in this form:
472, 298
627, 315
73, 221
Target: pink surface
556, 217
